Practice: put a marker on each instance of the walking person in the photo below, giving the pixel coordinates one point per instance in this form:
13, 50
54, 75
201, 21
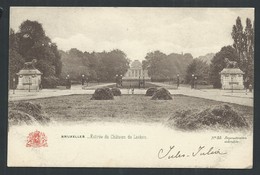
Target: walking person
133, 90
82, 80
178, 80
68, 82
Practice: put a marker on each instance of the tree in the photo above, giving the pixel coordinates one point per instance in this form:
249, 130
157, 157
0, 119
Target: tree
244, 46
16, 60
218, 64
165, 67
16, 63
34, 44
111, 64
239, 38
157, 65
102, 66
249, 52
199, 68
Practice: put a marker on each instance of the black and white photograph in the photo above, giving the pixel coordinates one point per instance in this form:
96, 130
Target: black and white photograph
139, 87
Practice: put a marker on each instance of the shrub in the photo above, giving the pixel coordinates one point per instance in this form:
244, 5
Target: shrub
116, 91
26, 112
102, 94
50, 82
162, 94
62, 81
214, 117
150, 91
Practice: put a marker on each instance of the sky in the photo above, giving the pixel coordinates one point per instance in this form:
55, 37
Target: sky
135, 31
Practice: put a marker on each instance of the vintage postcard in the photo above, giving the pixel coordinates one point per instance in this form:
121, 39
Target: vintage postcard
131, 87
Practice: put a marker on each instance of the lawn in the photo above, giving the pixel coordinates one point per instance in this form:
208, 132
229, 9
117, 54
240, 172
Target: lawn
126, 108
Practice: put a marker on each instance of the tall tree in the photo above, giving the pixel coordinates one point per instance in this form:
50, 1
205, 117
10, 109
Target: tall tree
249, 51
238, 37
34, 44
165, 67
157, 65
244, 46
218, 63
16, 60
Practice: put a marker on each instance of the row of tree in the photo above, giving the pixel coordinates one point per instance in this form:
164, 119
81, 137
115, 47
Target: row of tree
96, 66
163, 67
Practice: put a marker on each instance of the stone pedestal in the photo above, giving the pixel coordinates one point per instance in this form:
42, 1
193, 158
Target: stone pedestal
29, 79
232, 78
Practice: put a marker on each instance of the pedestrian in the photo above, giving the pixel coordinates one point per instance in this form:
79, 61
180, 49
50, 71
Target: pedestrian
133, 90
40, 84
250, 88
82, 80
68, 82
178, 81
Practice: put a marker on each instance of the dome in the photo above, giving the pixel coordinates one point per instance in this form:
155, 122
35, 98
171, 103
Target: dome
136, 64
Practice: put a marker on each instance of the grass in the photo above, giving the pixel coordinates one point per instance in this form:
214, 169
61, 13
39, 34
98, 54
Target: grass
26, 112
125, 108
215, 117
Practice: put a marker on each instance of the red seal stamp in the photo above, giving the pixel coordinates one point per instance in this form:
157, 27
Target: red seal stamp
36, 139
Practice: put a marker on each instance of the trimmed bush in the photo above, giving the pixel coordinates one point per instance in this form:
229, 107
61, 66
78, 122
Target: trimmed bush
162, 94
214, 117
26, 112
102, 94
116, 91
150, 91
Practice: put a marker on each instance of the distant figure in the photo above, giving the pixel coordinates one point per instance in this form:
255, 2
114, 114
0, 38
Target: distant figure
178, 81
68, 82
40, 84
133, 90
250, 88
82, 80
246, 84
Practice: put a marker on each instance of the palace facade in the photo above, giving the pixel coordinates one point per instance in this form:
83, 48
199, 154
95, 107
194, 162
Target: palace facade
136, 71
135, 76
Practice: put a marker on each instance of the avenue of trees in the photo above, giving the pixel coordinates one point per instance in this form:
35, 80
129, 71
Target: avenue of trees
96, 66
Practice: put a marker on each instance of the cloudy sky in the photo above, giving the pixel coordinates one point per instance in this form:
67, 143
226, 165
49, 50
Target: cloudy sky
135, 31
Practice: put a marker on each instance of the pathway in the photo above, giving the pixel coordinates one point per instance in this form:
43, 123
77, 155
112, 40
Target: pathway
44, 93
237, 97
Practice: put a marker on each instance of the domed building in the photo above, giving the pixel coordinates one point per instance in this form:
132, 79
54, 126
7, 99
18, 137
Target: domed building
135, 76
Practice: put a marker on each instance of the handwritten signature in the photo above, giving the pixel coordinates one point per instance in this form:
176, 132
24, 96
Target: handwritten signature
172, 153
